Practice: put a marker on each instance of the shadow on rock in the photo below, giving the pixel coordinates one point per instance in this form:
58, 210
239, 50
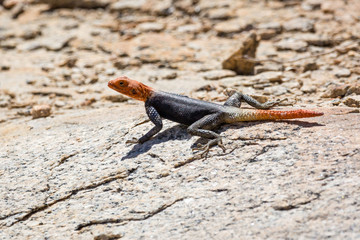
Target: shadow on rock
177, 132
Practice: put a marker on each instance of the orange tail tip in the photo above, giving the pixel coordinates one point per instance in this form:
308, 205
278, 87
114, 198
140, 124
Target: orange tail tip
290, 114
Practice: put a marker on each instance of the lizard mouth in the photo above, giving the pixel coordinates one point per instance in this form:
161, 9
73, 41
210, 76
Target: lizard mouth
111, 85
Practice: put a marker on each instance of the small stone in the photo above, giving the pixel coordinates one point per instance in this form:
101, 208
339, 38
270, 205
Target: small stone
352, 101
123, 5
275, 90
335, 91
271, 26
69, 62
308, 88
150, 27
353, 89
219, 14
342, 72
268, 67
218, 74
40, 111
110, 71
272, 77
190, 28
311, 5
232, 26
299, 24
291, 44
310, 66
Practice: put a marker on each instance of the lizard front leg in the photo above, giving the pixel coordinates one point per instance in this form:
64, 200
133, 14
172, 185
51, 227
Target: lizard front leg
155, 117
203, 127
235, 101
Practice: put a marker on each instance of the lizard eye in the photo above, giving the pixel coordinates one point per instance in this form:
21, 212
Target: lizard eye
133, 91
121, 83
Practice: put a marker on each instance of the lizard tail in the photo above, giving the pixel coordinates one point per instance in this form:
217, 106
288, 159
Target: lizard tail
277, 115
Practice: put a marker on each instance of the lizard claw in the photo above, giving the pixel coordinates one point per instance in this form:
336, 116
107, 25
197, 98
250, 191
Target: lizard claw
206, 147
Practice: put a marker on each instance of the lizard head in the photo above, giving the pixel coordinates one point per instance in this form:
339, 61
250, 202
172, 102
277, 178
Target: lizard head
131, 88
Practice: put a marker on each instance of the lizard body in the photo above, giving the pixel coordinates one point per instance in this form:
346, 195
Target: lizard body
200, 116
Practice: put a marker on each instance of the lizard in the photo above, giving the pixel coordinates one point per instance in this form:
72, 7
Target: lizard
200, 116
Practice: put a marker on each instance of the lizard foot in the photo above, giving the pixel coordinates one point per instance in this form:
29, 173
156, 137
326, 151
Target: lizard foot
274, 103
206, 147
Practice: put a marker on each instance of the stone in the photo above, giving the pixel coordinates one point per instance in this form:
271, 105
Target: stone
219, 13
190, 28
273, 77
306, 88
311, 5
342, 72
124, 5
150, 27
232, 26
40, 111
238, 61
218, 74
275, 90
334, 91
299, 24
291, 44
352, 101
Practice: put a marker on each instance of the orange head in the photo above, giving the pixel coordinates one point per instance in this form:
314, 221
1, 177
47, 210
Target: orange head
131, 88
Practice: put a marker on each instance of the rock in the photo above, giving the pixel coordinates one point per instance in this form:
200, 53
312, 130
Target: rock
342, 72
306, 88
232, 26
125, 5
51, 43
238, 62
275, 90
76, 4
330, 6
40, 111
150, 27
310, 66
268, 67
352, 101
316, 40
353, 89
219, 14
311, 5
299, 24
291, 44
218, 74
18, 10
334, 91
269, 30
190, 28
272, 77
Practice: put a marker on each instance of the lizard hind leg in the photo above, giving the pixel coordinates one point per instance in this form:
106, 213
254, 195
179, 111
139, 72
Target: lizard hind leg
203, 127
235, 101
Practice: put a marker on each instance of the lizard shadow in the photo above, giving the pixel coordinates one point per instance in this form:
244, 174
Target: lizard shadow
177, 132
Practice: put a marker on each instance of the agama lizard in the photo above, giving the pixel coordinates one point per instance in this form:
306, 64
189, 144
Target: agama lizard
201, 116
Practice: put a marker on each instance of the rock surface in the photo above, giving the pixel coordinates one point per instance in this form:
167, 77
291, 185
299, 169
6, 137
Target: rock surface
71, 175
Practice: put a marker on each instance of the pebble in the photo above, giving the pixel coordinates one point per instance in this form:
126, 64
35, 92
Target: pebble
334, 91
219, 14
269, 77
150, 27
218, 74
352, 101
291, 44
40, 111
299, 24
190, 28
275, 90
342, 72
232, 26
127, 5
